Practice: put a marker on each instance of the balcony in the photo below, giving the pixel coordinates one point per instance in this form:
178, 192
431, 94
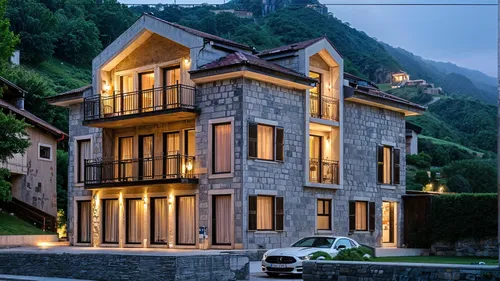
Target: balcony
324, 107
140, 171
323, 171
140, 107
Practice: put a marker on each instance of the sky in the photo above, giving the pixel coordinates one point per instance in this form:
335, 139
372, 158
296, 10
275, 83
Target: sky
464, 35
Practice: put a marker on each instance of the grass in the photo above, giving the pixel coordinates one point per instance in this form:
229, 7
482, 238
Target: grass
443, 142
384, 87
438, 259
11, 225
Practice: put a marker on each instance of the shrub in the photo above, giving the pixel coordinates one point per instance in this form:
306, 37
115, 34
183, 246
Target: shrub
460, 216
353, 254
422, 177
319, 254
481, 174
421, 160
459, 184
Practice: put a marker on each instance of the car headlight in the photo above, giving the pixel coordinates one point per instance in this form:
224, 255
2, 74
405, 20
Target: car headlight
306, 258
264, 257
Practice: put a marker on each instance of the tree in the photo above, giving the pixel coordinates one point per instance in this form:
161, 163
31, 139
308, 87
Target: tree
80, 37
481, 174
421, 177
459, 184
8, 40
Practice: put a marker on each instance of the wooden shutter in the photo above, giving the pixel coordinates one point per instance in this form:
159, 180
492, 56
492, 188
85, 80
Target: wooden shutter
352, 216
380, 164
396, 165
371, 214
280, 214
252, 140
280, 144
252, 212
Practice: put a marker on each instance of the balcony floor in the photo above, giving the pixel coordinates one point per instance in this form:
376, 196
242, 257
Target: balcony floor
144, 118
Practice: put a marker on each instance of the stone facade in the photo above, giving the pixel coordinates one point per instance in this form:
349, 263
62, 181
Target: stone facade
130, 267
371, 271
486, 247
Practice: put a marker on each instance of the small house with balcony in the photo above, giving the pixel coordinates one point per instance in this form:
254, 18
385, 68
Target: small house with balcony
183, 132
33, 173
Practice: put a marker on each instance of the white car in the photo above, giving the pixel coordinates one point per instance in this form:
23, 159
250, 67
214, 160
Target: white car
289, 260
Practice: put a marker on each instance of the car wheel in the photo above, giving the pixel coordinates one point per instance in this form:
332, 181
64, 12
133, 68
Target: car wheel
271, 274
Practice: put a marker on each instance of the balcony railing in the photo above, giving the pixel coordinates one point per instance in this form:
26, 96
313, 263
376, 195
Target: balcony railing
323, 171
137, 170
150, 100
324, 107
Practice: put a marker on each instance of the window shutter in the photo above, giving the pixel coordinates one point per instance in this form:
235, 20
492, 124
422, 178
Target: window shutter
396, 161
252, 140
352, 216
371, 214
252, 212
280, 214
280, 144
380, 164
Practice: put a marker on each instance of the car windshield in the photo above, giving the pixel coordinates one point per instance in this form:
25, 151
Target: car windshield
316, 242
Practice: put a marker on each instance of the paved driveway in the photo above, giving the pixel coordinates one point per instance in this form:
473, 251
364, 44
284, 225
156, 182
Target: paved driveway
257, 275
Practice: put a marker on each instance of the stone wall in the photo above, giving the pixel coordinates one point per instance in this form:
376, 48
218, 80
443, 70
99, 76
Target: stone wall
370, 271
365, 128
126, 267
487, 247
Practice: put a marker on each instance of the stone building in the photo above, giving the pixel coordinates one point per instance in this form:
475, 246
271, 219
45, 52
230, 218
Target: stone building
33, 174
183, 132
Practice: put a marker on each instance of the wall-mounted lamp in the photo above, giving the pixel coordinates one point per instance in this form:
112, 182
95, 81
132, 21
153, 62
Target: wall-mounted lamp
106, 87
189, 166
170, 199
187, 61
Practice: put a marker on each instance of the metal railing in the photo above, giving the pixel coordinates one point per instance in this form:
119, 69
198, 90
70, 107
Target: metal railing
324, 107
323, 171
155, 99
176, 166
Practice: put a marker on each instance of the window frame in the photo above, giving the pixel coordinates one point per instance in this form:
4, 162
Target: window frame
40, 145
329, 215
103, 221
394, 164
127, 220
153, 219
370, 216
79, 220
278, 215
275, 145
211, 146
77, 157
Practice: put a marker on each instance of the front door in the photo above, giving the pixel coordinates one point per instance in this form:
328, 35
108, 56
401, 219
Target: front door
221, 220
389, 226
146, 157
125, 158
315, 158
185, 222
171, 151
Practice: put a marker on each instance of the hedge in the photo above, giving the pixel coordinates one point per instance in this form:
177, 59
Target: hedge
465, 215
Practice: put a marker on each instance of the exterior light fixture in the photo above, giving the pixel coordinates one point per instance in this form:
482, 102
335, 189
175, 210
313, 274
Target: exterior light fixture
189, 166
187, 61
106, 87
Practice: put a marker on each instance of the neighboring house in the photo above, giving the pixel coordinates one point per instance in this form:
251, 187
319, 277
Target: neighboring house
239, 13
33, 174
182, 130
412, 132
399, 79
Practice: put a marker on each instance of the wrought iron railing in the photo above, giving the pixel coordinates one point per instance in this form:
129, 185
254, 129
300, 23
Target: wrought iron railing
323, 171
102, 171
324, 107
156, 99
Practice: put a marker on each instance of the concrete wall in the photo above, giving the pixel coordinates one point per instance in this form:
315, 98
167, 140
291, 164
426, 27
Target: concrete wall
22, 240
486, 247
38, 186
365, 128
360, 271
130, 267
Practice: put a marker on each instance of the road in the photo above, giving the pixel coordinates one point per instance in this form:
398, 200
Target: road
257, 275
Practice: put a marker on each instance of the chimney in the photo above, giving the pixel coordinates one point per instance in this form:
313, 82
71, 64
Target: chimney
20, 103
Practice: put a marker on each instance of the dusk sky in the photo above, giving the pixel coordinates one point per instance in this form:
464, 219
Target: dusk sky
464, 35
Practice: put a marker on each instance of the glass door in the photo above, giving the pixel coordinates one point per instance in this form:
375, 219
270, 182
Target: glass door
221, 220
125, 99
185, 223
171, 150
315, 95
315, 158
125, 151
146, 91
389, 223
171, 91
146, 157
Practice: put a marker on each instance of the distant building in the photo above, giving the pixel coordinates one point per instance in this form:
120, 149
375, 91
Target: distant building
412, 132
15, 59
33, 174
239, 13
399, 79
320, 8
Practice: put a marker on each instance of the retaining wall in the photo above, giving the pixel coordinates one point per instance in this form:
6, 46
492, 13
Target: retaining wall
24, 240
486, 247
126, 267
374, 271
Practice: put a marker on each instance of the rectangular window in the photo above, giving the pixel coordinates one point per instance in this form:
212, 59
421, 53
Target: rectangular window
361, 216
84, 152
324, 216
146, 157
110, 209
84, 221
45, 151
388, 165
266, 213
125, 151
159, 208
265, 142
221, 147
134, 221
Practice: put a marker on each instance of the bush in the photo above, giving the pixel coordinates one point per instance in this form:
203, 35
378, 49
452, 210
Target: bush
481, 174
421, 177
460, 216
353, 254
319, 254
459, 184
421, 160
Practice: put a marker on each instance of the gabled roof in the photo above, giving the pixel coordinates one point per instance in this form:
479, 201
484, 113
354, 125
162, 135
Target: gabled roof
203, 34
31, 119
68, 97
238, 58
12, 85
295, 47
